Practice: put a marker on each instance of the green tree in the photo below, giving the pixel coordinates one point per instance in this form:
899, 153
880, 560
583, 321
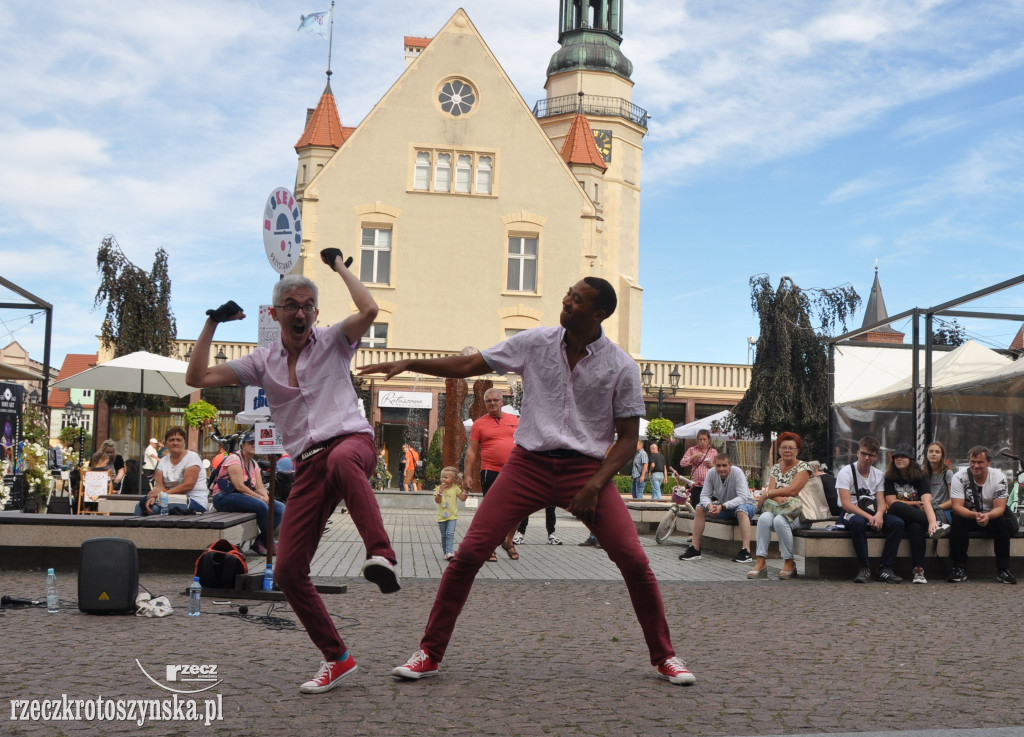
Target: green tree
949, 333
789, 378
138, 311
434, 463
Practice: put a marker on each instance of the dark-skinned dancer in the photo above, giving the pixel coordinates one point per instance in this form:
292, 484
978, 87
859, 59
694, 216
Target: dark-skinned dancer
580, 391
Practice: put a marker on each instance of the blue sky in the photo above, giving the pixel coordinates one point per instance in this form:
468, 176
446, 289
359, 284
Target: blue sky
788, 137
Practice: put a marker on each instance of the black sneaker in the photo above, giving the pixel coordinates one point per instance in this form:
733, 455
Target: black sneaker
957, 575
691, 554
887, 575
864, 576
1004, 576
742, 557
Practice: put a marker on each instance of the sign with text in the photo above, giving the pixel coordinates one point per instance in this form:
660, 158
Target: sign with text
256, 402
405, 400
282, 230
268, 329
268, 439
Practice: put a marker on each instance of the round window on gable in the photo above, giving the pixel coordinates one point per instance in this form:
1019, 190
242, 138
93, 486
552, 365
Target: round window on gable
456, 97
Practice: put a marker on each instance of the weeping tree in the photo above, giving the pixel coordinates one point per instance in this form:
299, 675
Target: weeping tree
789, 378
138, 311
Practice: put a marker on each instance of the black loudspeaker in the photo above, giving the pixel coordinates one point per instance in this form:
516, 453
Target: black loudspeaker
108, 576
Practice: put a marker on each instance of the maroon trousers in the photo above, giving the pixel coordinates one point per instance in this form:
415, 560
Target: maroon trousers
529, 482
338, 474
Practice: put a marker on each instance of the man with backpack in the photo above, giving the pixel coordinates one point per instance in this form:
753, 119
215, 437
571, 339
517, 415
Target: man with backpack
979, 497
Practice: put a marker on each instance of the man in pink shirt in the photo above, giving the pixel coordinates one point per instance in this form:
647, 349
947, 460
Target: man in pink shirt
580, 391
314, 405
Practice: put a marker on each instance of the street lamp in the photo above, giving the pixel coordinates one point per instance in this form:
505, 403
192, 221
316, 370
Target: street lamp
647, 377
221, 357
751, 342
33, 398
75, 418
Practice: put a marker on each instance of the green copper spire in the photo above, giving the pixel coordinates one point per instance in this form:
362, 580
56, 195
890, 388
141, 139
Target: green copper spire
590, 32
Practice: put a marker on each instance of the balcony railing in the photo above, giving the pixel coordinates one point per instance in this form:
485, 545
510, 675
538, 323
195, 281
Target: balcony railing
592, 105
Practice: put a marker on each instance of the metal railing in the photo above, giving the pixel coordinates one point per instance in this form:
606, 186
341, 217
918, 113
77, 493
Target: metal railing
592, 105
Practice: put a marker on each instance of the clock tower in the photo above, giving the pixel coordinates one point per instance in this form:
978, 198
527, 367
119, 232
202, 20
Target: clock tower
590, 75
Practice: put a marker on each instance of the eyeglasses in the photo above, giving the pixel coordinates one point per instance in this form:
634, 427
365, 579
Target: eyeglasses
291, 308
867, 455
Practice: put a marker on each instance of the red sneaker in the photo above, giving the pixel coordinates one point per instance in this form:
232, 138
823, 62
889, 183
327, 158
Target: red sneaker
330, 675
674, 670
418, 666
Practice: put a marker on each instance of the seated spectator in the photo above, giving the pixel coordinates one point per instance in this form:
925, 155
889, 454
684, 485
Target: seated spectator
725, 496
979, 496
179, 471
940, 477
130, 483
786, 479
861, 493
116, 462
240, 489
908, 495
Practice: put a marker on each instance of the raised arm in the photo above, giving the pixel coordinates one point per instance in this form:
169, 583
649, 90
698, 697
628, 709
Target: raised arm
200, 373
355, 325
449, 367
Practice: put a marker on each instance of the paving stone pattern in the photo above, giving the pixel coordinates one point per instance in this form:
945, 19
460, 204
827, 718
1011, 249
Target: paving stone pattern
547, 645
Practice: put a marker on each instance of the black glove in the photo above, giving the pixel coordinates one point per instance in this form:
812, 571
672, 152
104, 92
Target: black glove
329, 254
225, 312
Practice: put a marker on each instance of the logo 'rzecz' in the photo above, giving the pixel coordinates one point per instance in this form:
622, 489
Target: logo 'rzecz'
199, 677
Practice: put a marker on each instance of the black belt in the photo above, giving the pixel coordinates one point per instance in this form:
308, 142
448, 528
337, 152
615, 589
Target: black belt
561, 453
314, 449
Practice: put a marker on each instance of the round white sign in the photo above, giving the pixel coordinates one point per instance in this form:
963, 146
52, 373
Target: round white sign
282, 230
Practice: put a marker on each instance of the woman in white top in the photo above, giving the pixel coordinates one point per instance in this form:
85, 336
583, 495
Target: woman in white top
180, 471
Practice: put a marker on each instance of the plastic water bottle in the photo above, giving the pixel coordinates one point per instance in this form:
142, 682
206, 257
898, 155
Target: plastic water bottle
163, 506
268, 577
52, 602
195, 597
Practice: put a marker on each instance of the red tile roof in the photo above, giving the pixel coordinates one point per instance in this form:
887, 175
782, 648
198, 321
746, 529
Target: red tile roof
580, 147
418, 42
74, 363
324, 127
1018, 342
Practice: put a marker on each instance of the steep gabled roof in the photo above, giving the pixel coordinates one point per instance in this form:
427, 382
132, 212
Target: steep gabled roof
580, 147
875, 310
324, 127
1018, 341
74, 363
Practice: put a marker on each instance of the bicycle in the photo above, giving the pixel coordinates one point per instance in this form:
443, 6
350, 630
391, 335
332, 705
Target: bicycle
1014, 503
680, 507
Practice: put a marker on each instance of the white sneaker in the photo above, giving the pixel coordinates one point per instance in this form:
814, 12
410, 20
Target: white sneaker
518, 538
941, 531
552, 540
378, 569
919, 576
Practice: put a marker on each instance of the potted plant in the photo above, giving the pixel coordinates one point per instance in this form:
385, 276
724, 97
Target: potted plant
201, 415
434, 464
37, 476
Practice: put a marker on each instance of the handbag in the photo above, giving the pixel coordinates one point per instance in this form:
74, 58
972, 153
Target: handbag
814, 506
790, 509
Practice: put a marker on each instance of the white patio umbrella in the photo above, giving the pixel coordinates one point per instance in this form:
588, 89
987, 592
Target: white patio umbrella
142, 372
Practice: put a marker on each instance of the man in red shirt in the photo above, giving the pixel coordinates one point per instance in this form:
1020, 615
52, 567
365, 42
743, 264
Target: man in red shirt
490, 443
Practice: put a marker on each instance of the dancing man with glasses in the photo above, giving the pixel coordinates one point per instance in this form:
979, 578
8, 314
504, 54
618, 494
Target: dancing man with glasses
861, 489
309, 389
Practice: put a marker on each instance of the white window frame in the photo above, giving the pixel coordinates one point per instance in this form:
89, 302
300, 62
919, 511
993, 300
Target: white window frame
372, 340
522, 257
443, 168
370, 252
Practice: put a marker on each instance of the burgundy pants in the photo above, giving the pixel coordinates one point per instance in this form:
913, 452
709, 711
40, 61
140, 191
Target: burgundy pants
338, 474
532, 481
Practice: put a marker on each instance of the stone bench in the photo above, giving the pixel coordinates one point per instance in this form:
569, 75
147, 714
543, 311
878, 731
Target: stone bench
166, 543
125, 503
829, 554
